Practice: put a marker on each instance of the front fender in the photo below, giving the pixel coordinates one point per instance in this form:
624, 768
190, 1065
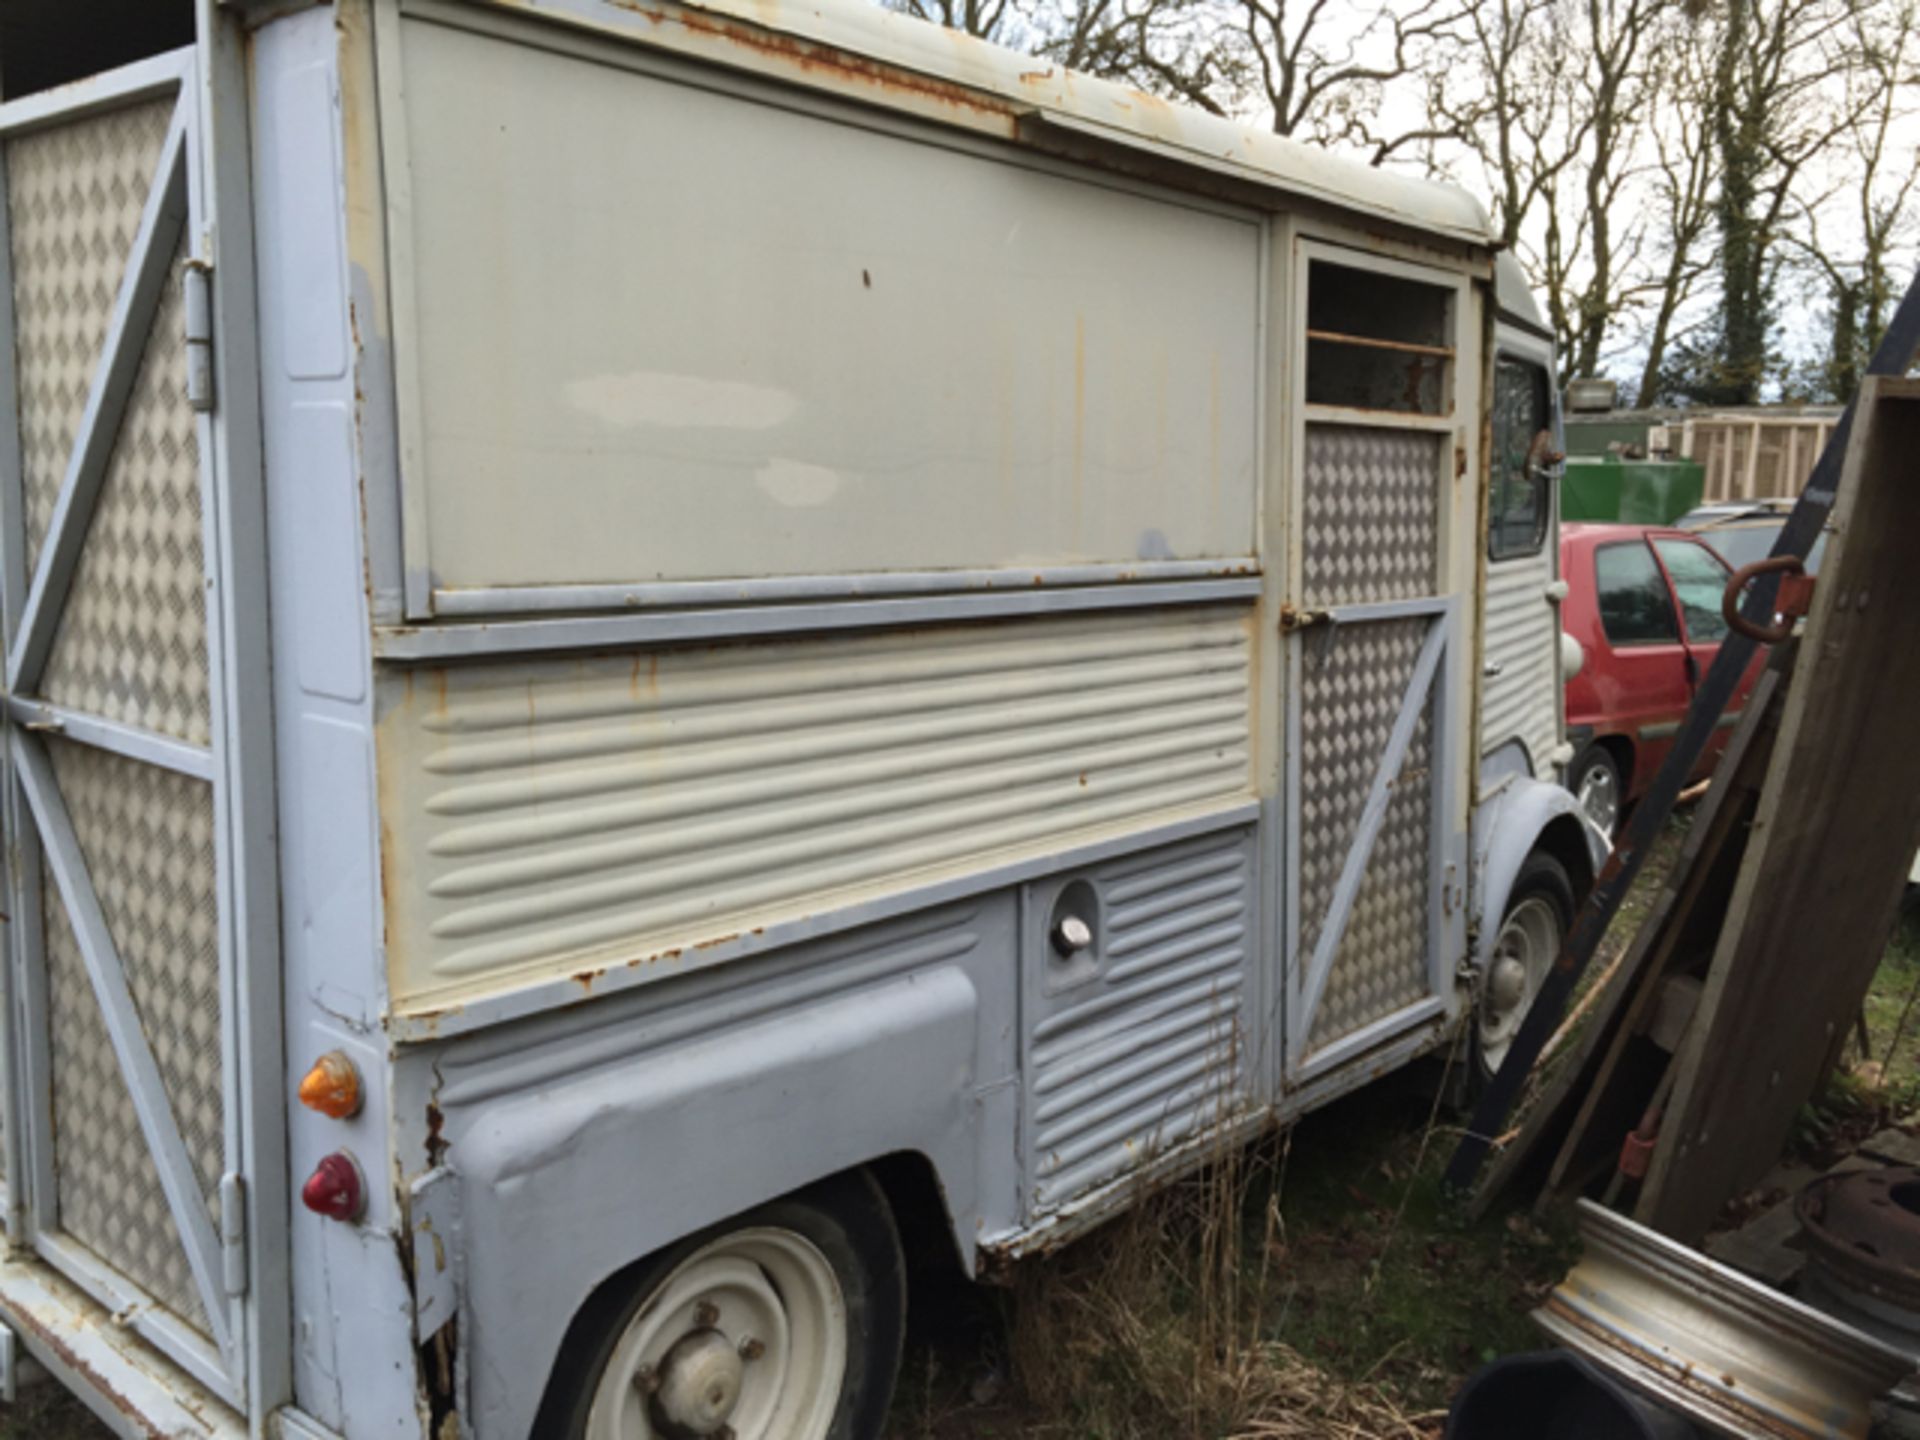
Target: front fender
1525, 815
563, 1186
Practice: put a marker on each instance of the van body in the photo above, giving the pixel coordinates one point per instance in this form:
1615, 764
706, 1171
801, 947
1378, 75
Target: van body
648, 644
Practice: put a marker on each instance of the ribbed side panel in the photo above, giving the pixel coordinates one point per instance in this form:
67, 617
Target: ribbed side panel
1149, 1051
621, 807
1521, 641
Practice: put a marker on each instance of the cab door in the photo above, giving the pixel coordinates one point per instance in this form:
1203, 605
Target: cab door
1698, 578
1643, 682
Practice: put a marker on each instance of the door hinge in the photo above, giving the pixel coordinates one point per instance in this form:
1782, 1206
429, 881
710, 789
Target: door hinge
1292, 619
197, 287
233, 1234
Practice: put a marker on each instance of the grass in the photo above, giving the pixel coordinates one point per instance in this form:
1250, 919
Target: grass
47, 1412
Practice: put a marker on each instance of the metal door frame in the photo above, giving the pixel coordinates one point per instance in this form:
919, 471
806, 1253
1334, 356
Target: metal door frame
1437, 676
238, 1269
1431, 682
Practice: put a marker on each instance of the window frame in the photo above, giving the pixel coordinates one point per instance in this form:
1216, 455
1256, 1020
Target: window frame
1654, 543
1545, 491
1645, 542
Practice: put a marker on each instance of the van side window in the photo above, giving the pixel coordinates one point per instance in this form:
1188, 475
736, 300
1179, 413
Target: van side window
1636, 608
1518, 509
1699, 579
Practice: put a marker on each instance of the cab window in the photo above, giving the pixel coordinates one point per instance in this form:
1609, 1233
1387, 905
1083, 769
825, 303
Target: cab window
1636, 608
1699, 580
1520, 506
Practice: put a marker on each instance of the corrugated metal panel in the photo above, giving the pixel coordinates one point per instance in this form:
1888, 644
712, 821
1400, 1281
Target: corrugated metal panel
1149, 1050
74, 197
625, 806
1518, 699
1352, 694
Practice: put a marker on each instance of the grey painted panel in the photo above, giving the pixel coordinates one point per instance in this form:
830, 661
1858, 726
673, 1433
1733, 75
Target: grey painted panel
1145, 1039
790, 346
588, 1140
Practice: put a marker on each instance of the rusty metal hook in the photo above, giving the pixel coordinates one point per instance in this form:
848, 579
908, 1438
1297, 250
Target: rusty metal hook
1745, 576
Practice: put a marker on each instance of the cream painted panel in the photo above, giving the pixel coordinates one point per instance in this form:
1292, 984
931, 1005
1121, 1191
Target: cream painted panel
554, 815
669, 334
1519, 696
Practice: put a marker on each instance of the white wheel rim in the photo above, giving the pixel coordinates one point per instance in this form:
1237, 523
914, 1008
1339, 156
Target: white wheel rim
777, 1303
1528, 943
1599, 796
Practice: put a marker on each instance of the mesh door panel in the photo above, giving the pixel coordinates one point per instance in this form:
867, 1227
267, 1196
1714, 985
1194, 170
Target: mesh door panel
108, 1188
1351, 696
75, 194
132, 641
1372, 514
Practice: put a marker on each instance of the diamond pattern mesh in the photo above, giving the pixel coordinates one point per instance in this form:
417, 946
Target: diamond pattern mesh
146, 836
75, 194
1350, 698
1372, 521
110, 1197
132, 641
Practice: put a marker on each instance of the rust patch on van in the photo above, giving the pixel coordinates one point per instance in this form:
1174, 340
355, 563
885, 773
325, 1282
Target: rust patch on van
823, 61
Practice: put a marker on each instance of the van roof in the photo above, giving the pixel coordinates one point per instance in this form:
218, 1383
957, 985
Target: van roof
1034, 92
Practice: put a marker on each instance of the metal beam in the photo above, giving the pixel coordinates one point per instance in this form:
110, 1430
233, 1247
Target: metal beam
128, 740
145, 1084
110, 90
133, 311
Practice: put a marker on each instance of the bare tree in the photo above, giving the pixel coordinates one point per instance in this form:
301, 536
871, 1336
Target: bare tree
1879, 172
1175, 48
1684, 186
1322, 68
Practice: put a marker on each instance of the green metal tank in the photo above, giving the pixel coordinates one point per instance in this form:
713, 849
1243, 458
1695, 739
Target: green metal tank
1640, 492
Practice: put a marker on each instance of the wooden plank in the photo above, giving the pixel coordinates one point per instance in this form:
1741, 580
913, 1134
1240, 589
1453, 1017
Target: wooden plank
1835, 834
1681, 925
1571, 1090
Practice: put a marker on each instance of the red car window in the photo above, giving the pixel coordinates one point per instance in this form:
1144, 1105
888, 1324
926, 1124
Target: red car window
1636, 608
1699, 579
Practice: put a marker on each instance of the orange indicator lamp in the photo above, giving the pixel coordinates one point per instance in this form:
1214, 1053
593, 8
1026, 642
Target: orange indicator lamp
332, 1086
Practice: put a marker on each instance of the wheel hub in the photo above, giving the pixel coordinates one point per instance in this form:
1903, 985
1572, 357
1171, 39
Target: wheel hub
700, 1383
1507, 984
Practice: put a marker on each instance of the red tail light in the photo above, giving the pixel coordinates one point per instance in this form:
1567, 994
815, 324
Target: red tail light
335, 1189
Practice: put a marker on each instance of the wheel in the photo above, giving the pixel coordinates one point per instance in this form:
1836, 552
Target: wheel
1539, 913
784, 1324
1596, 782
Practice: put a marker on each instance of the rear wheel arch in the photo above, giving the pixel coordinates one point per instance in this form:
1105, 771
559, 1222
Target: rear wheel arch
1565, 840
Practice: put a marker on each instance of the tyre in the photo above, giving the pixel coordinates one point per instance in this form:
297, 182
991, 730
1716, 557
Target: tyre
1598, 785
782, 1324
1539, 914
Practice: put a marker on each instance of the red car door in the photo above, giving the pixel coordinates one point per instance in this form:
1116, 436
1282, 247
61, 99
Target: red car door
1644, 683
1699, 580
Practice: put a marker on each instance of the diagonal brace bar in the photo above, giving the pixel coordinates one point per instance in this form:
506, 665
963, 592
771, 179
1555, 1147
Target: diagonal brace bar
1353, 871
133, 311
61, 848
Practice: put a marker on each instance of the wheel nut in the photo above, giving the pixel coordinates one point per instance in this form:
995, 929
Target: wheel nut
648, 1377
752, 1349
706, 1315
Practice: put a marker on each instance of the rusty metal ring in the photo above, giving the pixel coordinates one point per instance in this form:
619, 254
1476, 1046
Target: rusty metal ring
1745, 576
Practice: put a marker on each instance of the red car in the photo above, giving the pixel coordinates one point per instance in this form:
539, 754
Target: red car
1644, 603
